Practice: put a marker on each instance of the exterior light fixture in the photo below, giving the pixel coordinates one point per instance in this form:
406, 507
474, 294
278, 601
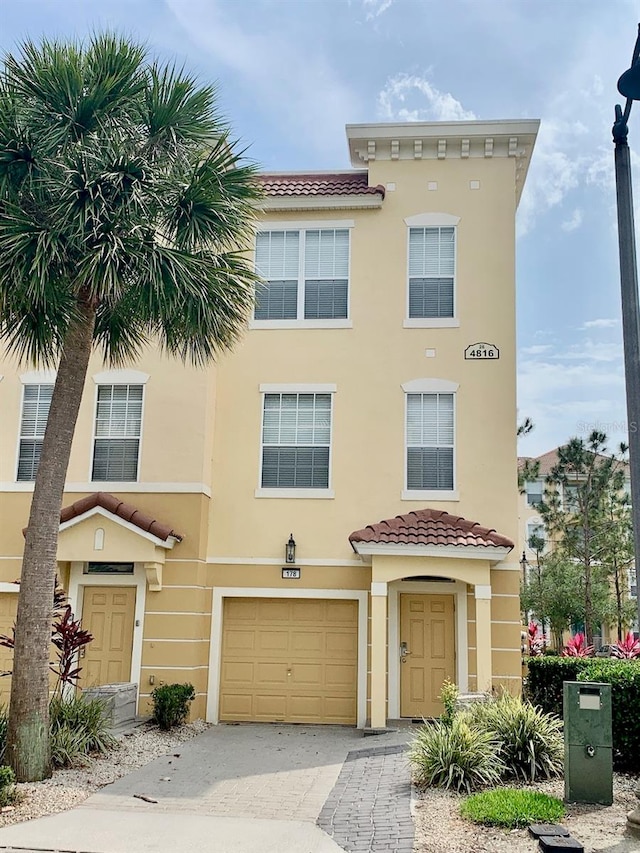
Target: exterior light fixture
290, 551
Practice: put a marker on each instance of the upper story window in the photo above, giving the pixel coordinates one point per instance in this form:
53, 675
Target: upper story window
306, 275
535, 492
296, 441
431, 272
536, 536
36, 400
118, 428
570, 499
430, 442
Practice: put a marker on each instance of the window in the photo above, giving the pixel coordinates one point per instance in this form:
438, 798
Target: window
570, 498
118, 427
306, 274
535, 533
36, 400
431, 272
430, 441
535, 492
296, 439
109, 569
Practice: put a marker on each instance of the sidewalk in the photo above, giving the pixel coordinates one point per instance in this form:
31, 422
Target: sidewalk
240, 789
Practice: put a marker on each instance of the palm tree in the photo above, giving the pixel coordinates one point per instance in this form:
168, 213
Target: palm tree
125, 210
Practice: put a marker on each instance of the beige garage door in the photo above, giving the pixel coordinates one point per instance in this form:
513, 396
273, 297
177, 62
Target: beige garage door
289, 660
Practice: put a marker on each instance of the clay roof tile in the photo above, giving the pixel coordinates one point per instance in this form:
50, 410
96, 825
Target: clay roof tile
126, 511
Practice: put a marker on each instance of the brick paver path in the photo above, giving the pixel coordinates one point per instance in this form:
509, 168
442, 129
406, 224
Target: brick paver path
368, 810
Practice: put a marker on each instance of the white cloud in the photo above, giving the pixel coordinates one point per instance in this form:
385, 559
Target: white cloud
289, 78
602, 323
536, 349
375, 8
574, 221
409, 97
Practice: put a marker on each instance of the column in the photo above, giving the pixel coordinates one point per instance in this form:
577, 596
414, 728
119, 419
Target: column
483, 638
378, 655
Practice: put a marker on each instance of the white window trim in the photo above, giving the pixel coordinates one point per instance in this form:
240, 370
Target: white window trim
537, 521
429, 385
78, 581
215, 653
38, 377
431, 494
291, 388
103, 483
433, 220
301, 322
456, 589
29, 484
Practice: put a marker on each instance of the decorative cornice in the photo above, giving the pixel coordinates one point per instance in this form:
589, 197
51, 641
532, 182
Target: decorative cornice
325, 202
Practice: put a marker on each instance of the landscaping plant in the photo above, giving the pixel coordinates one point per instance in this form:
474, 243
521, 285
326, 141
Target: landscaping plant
171, 704
577, 647
536, 639
449, 698
627, 649
7, 786
511, 808
455, 755
531, 742
78, 727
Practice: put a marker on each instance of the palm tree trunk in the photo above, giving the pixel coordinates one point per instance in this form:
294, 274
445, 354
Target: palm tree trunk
28, 733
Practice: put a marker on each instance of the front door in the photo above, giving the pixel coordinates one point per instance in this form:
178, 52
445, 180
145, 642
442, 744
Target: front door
108, 613
427, 635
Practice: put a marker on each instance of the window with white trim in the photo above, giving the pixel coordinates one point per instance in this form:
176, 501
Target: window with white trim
117, 433
430, 442
535, 535
296, 441
305, 272
431, 272
535, 492
36, 401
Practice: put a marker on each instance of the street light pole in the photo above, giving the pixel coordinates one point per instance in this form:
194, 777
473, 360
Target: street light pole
629, 87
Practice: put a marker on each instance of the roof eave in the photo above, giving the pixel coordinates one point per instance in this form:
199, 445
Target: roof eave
356, 201
493, 554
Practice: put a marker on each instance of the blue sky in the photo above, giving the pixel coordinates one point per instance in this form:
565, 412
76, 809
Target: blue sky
292, 73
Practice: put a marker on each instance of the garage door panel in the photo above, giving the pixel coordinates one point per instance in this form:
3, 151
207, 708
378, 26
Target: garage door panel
238, 673
299, 666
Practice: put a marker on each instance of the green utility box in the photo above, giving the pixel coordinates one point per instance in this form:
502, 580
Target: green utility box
588, 743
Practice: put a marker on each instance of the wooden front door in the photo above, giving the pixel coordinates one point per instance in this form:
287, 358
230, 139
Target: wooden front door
108, 613
427, 631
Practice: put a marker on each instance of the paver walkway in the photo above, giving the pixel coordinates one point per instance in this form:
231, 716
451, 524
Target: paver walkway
233, 789
368, 810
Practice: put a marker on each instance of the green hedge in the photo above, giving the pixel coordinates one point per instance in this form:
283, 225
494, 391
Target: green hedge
544, 680
544, 688
624, 678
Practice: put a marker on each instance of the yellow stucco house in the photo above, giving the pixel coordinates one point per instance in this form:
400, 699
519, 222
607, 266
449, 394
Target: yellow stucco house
321, 527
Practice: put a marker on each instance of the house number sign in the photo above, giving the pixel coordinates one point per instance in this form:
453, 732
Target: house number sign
291, 573
481, 352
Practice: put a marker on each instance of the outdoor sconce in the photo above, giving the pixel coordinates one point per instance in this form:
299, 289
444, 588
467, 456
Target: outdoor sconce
290, 550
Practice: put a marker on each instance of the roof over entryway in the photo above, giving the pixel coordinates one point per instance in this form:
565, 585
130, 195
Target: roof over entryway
121, 510
430, 531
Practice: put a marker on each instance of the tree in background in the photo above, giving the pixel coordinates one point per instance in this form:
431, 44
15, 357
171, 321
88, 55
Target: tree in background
125, 208
575, 510
617, 558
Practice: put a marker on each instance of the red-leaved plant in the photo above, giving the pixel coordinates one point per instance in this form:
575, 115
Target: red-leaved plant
576, 647
536, 640
69, 638
628, 649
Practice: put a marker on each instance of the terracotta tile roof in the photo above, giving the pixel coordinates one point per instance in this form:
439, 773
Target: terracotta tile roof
431, 527
549, 459
123, 510
327, 183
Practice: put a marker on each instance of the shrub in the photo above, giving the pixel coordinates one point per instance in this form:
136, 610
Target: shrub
627, 649
455, 756
7, 786
171, 704
531, 741
577, 647
624, 678
510, 808
545, 676
78, 727
449, 697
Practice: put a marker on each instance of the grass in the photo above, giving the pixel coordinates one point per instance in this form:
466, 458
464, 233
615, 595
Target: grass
512, 807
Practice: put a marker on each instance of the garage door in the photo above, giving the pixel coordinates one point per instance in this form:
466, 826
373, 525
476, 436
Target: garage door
289, 660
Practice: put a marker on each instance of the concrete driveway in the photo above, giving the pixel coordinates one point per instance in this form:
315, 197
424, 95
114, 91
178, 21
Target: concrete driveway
241, 789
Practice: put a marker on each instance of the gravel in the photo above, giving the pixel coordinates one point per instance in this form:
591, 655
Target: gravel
440, 827
68, 788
